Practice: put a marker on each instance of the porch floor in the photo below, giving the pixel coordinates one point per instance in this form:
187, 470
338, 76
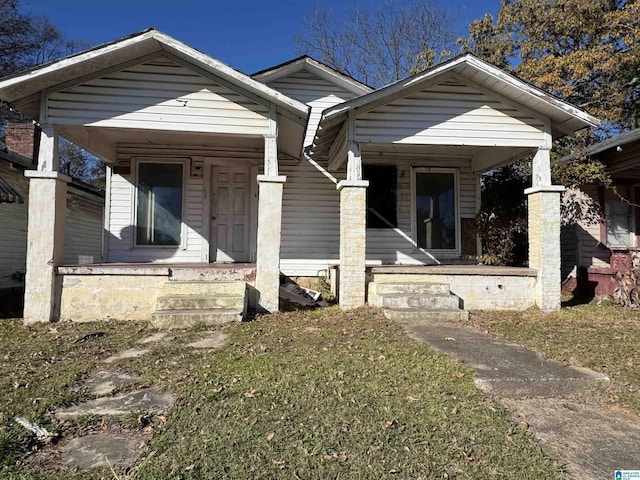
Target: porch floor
483, 270
174, 271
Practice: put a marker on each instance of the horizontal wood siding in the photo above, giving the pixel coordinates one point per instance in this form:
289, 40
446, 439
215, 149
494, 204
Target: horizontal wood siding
311, 217
158, 95
316, 92
568, 251
121, 228
13, 234
83, 228
449, 114
310, 220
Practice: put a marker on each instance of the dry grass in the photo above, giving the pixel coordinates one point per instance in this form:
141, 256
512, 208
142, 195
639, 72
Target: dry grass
603, 337
300, 395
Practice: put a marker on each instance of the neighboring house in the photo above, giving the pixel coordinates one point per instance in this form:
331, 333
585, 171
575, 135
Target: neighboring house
216, 175
84, 206
593, 253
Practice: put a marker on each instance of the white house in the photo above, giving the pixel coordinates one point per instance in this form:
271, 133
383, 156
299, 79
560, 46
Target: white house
218, 177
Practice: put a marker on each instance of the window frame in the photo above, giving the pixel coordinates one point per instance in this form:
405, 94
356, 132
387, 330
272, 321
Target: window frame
630, 193
415, 170
183, 204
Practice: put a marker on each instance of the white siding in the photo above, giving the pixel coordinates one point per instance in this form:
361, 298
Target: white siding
316, 92
449, 114
13, 231
121, 229
158, 95
310, 220
83, 227
311, 217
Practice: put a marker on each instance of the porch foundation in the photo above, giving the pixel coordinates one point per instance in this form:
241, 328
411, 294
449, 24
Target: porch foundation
544, 244
45, 243
268, 244
353, 200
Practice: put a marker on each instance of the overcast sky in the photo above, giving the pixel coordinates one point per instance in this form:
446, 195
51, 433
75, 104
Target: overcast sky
249, 35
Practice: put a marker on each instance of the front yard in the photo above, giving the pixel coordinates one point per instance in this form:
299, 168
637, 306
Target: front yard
603, 337
300, 395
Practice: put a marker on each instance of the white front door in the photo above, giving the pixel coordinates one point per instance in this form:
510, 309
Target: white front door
230, 214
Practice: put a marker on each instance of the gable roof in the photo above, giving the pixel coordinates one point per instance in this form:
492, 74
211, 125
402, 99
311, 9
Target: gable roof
312, 65
23, 88
608, 144
565, 118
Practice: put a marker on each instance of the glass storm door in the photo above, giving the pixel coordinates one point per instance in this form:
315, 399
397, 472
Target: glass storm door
436, 210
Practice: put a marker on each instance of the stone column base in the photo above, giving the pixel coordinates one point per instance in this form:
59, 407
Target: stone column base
45, 243
353, 240
544, 244
268, 244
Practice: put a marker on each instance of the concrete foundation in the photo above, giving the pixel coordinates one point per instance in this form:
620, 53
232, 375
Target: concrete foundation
478, 287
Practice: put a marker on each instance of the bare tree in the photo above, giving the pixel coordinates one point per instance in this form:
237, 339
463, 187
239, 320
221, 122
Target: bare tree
380, 45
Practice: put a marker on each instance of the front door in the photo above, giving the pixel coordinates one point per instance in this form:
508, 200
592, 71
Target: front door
230, 214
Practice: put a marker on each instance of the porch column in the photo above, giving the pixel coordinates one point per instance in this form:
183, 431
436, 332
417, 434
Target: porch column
544, 232
353, 238
45, 235
270, 186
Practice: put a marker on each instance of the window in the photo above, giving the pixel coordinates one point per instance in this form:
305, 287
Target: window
159, 204
381, 195
436, 209
618, 220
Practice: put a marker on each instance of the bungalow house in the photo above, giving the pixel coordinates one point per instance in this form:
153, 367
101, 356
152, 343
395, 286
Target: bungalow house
593, 253
83, 219
218, 181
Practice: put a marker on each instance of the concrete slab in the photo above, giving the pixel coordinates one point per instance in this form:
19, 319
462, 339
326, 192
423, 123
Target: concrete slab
102, 449
103, 382
210, 340
146, 400
131, 353
503, 368
593, 441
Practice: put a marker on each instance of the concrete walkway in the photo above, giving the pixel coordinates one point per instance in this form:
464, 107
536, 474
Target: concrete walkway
559, 403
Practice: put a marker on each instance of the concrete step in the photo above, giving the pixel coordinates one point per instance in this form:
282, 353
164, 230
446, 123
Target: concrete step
415, 315
420, 302
412, 288
177, 319
174, 287
200, 302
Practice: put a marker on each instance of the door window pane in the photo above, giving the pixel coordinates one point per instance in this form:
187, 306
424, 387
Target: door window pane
436, 210
159, 212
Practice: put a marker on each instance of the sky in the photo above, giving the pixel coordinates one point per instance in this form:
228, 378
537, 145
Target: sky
249, 35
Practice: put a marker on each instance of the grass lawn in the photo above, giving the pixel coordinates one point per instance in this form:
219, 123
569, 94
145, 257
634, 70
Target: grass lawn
604, 337
318, 395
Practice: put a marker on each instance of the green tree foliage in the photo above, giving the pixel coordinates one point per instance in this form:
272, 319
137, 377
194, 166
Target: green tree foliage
379, 45
28, 40
586, 52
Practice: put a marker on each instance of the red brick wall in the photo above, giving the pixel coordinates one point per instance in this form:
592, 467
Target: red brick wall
19, 137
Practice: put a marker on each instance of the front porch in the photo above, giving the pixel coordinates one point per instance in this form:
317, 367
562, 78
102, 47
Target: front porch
170, 295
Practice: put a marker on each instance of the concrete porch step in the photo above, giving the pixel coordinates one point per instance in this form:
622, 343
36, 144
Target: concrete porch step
167, 319
206, 288
416, 315
420, 302
200, 302
422, 288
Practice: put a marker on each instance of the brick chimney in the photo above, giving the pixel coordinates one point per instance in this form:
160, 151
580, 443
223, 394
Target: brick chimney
23, 138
